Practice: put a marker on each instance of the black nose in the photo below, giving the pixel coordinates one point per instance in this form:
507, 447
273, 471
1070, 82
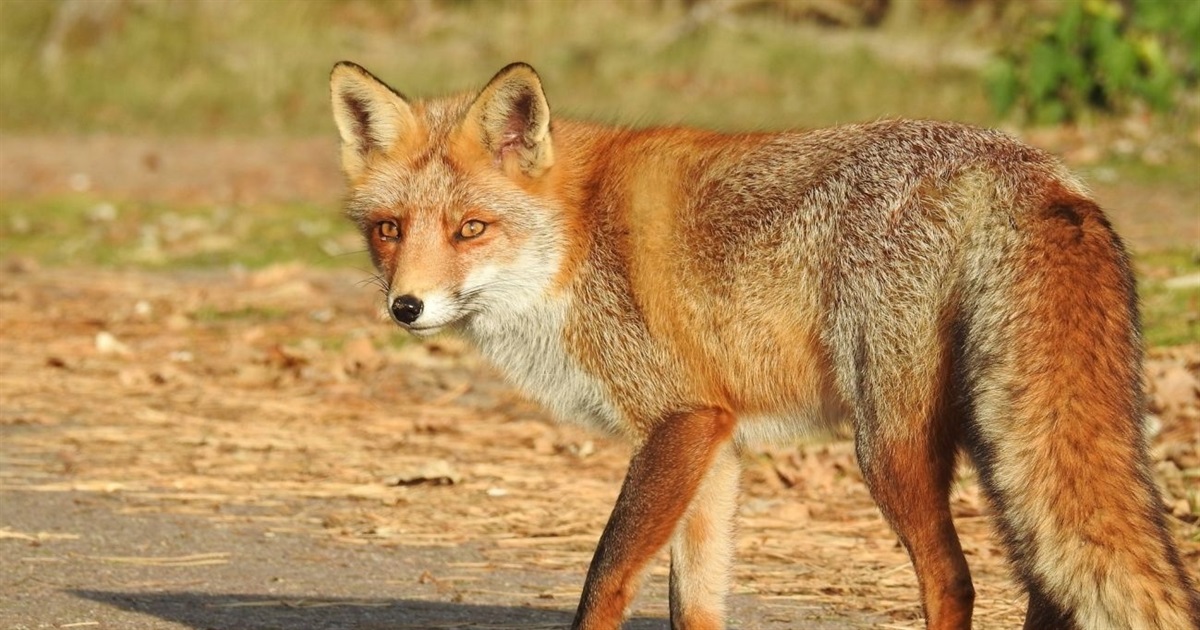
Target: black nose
406, 309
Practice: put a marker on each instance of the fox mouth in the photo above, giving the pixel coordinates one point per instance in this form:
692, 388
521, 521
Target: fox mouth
424, 331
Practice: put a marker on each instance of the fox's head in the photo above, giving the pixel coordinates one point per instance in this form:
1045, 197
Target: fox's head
449, 194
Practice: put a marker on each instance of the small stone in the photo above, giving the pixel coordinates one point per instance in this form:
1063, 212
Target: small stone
107, 343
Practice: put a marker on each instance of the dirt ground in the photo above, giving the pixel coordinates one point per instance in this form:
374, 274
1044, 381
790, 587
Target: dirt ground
232, 449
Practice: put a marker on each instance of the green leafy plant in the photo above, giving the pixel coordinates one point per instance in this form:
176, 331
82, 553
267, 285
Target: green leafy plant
1095, 55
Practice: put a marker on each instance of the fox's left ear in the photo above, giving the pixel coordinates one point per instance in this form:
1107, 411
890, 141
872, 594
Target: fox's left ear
511, 118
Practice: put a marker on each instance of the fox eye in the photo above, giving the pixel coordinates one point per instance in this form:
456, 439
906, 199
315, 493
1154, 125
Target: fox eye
471, 229
388, 231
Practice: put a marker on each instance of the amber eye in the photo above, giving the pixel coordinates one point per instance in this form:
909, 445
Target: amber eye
388, 231
471, 229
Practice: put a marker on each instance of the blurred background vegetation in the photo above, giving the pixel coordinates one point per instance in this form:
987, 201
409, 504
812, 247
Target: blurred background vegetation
1110, 84
1099, 56
259, 66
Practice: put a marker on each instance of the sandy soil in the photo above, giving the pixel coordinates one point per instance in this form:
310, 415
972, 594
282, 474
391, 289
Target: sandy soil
292, 412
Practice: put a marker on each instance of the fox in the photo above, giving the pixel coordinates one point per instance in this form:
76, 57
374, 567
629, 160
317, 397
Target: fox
943, 290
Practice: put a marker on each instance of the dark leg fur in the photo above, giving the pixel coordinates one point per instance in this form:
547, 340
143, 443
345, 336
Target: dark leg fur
1044, 615
909, 478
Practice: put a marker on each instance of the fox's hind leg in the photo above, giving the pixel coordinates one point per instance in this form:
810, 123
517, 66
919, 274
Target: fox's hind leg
702, 548
908, 464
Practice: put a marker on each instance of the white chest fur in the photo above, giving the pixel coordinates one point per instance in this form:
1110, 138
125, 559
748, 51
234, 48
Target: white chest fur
528, 347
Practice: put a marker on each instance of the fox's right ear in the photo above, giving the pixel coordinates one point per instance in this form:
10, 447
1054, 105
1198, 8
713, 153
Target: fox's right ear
370, 116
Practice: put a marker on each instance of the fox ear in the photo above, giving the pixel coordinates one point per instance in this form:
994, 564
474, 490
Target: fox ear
512, 120
370, 116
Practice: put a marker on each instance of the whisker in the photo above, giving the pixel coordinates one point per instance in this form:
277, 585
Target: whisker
373, 278
380, 285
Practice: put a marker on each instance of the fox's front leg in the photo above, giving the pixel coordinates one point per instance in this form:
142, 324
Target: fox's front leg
702, 549
663, 478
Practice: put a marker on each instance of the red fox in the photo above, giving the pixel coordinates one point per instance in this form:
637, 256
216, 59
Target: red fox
944, 288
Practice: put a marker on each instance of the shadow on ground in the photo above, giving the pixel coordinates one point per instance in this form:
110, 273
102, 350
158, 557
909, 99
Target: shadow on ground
263, 612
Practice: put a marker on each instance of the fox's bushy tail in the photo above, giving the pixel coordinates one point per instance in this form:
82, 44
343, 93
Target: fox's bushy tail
1053, 370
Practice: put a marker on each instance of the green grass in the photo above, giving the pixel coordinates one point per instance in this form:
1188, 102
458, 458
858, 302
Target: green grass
261, 66
1170, 315
1178, 173
83, 231
213, 315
